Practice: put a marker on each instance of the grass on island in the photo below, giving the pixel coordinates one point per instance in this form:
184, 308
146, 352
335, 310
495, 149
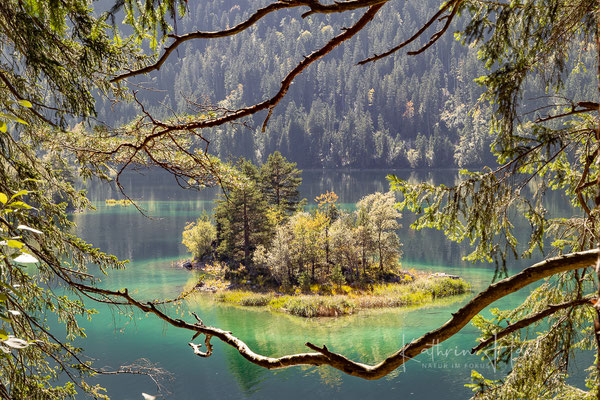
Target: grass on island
328, 300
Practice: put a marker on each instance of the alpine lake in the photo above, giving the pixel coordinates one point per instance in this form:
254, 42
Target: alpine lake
153, 246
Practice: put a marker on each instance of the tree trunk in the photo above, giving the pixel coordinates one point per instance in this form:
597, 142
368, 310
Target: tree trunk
327, 248
246, 234
364, 262
380, 251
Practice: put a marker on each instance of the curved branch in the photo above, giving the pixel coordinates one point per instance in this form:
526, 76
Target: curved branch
434, 38
581, 185
315, 7
207, 35
552, 308
586, 108
285, 84
199, 352
338, 6
326, 357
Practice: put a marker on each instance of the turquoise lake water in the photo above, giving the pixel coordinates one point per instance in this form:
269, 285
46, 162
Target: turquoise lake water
153, 245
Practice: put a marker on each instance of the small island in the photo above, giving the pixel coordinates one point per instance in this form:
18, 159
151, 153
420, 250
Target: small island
331, 300
264, 247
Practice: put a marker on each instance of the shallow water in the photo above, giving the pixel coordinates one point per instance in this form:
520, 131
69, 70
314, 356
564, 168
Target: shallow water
153, 245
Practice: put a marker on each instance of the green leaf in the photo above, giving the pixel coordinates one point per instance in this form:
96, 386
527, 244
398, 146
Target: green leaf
22, 205
3, 198
3, 127
3, 334
3, 297
14, 244
19, 193
13, 118
25, 103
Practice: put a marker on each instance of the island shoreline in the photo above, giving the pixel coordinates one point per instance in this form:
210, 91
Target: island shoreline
327, 300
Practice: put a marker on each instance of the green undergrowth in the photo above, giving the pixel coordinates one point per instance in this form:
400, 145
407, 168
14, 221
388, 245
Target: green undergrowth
316, 304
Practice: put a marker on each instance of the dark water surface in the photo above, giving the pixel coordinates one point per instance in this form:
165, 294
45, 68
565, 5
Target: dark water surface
153, 245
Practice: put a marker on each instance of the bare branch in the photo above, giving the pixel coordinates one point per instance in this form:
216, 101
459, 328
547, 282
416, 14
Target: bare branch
197, 350
437, 16
435, 37
326, 357
269, 103
207, 35
581, 185
338, 6
587, 107
315, 7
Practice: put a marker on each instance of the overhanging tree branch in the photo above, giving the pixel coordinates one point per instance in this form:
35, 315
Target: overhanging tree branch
287, 81
587, 106
207, 35
162, 129
314, 5
453, 5
324, 356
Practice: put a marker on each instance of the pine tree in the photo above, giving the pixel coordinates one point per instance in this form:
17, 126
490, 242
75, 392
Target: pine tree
279, 180
242, 218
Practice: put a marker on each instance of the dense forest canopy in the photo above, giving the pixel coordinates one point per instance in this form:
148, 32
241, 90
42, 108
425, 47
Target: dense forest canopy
538, 112
399, 112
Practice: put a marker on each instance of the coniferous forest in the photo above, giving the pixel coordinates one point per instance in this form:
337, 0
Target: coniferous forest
400, 112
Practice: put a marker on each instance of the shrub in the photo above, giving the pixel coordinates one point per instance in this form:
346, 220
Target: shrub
198, 237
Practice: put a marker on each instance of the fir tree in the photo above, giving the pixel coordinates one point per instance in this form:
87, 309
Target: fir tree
279, 180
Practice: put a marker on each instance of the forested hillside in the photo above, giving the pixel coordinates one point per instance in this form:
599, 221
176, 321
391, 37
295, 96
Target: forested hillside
402, 111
